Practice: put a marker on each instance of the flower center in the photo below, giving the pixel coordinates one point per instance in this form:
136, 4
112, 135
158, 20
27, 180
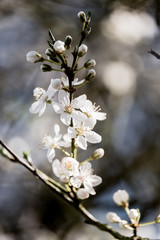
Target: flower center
68, 165
68, 109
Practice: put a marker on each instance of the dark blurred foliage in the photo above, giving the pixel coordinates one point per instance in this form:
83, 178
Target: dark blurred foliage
131, 133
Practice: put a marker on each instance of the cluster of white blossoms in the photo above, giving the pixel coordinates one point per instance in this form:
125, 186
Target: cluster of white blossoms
78, 114
121, 198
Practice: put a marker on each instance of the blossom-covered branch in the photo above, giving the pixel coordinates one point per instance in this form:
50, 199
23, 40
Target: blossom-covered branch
79, 115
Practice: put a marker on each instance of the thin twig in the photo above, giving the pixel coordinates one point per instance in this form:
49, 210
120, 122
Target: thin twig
65, 195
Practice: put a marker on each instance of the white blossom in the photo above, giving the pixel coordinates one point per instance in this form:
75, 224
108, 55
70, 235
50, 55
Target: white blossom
59, 46
33, 57
93, 111
91, 74
82, 132
69, 110
90, 63
41, 98
50, 143
112, 217
86, 178
66, 168
121, 197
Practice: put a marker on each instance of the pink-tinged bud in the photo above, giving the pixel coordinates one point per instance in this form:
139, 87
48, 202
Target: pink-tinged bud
33, 57
121, 198
59, 46
82, 50
113, 217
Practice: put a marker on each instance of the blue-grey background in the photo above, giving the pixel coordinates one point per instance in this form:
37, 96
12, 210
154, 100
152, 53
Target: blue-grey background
127, 86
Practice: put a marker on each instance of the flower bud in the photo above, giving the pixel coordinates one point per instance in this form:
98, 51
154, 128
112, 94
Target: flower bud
91, 74
46, 68
134, 215
157, 220
82, 16
59, 46
33, 57
68, 42
99, 153
90, 63
124, 224
82, 50
121, 198
113, 217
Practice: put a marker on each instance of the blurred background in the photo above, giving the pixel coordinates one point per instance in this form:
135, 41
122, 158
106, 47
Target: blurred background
127, 86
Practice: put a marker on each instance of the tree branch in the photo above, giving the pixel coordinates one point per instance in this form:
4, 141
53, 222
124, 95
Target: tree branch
64, 194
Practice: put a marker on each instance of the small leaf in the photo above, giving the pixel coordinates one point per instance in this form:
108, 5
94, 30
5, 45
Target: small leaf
51, 35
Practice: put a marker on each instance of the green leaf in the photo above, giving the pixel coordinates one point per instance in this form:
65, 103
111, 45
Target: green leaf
51, 35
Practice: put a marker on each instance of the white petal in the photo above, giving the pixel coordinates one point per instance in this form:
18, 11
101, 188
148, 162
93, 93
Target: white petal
90, 123
72, 132
56, 129
57, 108
43, 107
94, 180
63, 98
82, 193
99, 115
35, 107
93, 137
56, 83
79, 101
50, 92
88, 107
66, 118
76, 83
56, 167
85, 169
78, 116
81, 142
67, 140
50, 154
88, 186
76, 182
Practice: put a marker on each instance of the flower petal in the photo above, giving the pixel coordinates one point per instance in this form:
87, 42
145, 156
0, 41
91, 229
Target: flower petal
94, 180
66, 118
57, 107
78, 116
81, 142
76, 182
56, 165
85, 169
82, 193
93, 137
50, 154
72, 132
79, 101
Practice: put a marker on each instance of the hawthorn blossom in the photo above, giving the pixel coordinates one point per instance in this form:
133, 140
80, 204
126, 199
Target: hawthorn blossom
82, 132
86, 178
42, 97
50, 143
98, 153
121, 197
92, 111
69, 110
65, 169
